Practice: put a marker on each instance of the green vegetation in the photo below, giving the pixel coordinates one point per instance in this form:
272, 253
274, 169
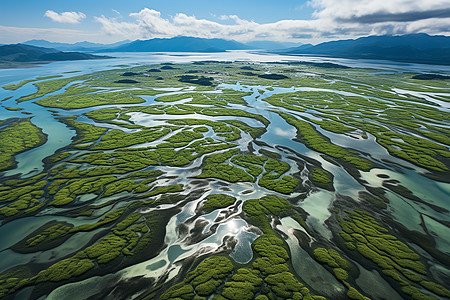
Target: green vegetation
272, 263
23, 203
116, 138
204, 280
22, 196
197, 98
124, 185
129, 237
109, 188
215, 167
242, 285
253, 164
234, 112
86, 133
378, 202
216, 201
268, 275
311, 138
387, 122
162, 190
378, 110
281, 100
184, 136
258, 210
127, 160
89, 100
270, 154
234, 97
13, 87
104, 114
49, 86
416, 150
13, 108
272, 179
208, 276
51, 234
339, 267
76, 187
396, 260
332, 126
200, 80
255, 132
321, 178
20, 135
331, 258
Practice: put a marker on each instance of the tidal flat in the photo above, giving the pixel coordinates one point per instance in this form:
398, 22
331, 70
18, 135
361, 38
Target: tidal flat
226, 180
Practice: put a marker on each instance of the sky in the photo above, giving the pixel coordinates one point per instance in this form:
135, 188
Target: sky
305, 21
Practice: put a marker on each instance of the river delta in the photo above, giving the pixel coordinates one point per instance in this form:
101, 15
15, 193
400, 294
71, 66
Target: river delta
225, 180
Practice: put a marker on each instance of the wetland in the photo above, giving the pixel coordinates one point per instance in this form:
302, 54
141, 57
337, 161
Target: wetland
224, 179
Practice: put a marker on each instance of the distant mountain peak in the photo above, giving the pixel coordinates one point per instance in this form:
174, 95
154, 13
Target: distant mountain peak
16, 54
415, 48
180, 44
78, 46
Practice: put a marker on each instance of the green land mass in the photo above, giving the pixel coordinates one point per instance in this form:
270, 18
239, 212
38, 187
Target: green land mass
148, 160
16, 86
18, 136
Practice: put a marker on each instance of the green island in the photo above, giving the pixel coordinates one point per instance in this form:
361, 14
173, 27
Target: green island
13, 87
18, 135
229, 180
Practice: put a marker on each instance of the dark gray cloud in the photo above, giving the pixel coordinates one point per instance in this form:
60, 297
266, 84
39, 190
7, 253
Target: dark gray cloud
381, 17
301, 35
333, 20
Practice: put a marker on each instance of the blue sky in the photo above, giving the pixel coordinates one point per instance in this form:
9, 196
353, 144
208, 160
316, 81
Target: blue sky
283, 20
262, 11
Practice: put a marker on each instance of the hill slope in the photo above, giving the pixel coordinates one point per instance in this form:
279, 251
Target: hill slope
79, 46
414, 48
180, 44
19, 54
88, 46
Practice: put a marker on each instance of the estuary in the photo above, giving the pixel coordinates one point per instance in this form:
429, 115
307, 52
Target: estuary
229, 176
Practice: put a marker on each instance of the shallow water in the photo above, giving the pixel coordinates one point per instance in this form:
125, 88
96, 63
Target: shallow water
373, 284
279, 133
312, 272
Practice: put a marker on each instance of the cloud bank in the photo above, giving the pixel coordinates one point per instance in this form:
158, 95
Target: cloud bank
331, 20
65, 17
10, 34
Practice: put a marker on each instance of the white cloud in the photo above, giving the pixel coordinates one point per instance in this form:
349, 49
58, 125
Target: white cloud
113, 27
149, 23
354, 18
20, 34
332, 20
358, 10
65, 17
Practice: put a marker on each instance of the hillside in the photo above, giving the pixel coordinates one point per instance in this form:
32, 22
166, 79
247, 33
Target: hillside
414, 48
180, 44
79, 46
20, 55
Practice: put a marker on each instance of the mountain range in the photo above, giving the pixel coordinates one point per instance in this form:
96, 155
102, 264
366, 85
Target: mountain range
176, 44
80, 46
413, 48
180, 44
20, 55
